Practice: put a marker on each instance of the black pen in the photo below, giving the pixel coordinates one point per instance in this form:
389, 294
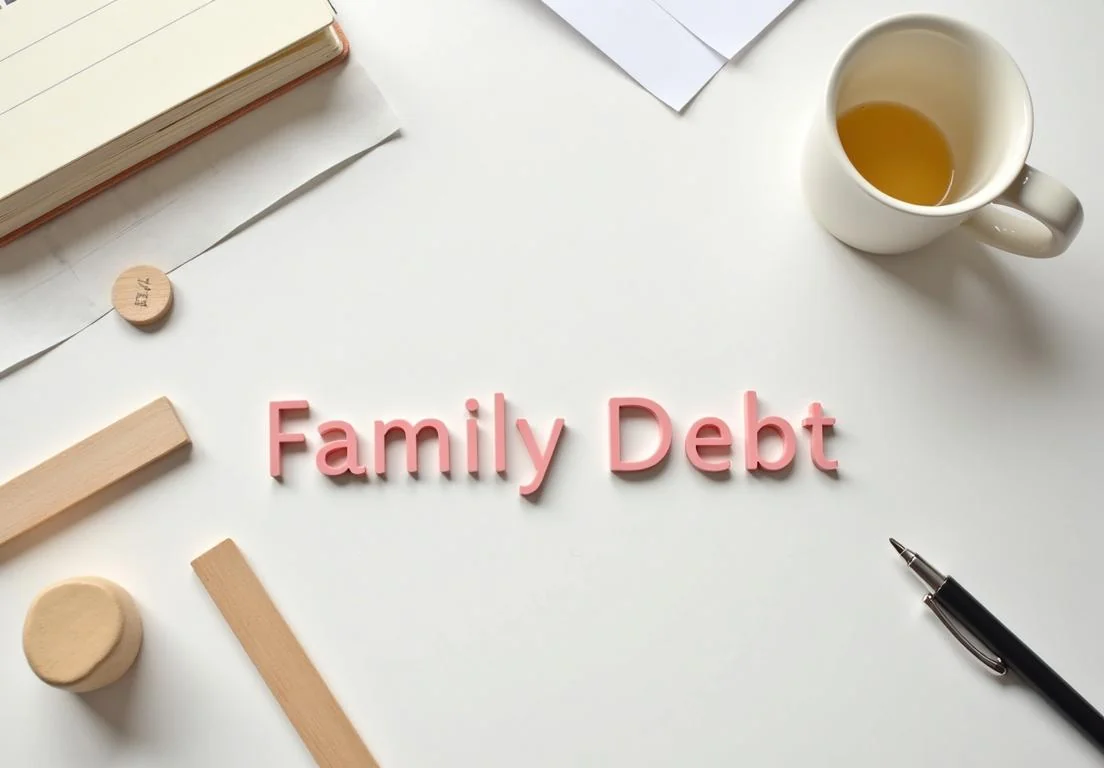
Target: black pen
952, 603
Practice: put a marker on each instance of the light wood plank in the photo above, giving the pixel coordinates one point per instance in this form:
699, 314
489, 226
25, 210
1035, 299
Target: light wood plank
88, 467
281, 660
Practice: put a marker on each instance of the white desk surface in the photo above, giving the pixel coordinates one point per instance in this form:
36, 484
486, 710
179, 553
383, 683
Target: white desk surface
547, 229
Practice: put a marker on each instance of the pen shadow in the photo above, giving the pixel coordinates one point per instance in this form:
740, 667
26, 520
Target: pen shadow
1012, 681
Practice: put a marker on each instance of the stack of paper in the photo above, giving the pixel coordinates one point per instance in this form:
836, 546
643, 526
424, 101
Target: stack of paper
671, 47
56, 280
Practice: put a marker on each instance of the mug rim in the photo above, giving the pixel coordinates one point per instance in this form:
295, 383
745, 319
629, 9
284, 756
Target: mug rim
1010, 168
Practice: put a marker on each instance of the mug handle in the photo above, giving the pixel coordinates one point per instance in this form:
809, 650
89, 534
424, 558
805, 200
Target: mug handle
1043, 198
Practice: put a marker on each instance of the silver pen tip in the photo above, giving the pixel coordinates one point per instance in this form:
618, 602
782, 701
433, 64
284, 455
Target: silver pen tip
919, 566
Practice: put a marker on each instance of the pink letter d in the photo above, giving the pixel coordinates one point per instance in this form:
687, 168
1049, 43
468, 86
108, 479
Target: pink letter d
663, 421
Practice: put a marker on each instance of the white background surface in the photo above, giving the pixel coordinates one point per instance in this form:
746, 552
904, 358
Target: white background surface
547, 229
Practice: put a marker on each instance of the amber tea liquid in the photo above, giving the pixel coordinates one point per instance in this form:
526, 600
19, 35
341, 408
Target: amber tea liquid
899, 151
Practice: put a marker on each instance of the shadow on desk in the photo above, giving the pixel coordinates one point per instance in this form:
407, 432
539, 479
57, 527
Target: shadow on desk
94, 503
948, 272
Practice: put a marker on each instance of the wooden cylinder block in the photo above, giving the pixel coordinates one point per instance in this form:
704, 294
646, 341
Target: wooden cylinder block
82, 634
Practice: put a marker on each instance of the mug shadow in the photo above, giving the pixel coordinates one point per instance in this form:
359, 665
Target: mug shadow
941, 272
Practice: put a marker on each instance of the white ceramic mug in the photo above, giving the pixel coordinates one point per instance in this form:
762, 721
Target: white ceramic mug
969, 86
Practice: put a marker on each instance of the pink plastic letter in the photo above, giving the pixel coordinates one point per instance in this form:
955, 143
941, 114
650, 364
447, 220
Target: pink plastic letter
663, 421
753, 426
816, 422
276, 438
695, 441
500, 432
347, 446
411, 434
472, 407
541, 460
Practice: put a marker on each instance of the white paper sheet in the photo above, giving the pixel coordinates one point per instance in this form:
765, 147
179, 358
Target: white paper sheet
647, 42
727, 26
57, 280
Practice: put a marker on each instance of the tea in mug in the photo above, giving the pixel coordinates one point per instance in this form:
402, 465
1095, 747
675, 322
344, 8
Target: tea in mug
898, 150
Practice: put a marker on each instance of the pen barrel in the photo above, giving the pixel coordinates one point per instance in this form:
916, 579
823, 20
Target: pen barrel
973, 616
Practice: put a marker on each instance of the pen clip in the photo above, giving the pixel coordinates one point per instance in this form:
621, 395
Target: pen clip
993, 663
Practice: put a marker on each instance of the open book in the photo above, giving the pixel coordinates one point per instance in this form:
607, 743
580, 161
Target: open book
93, 90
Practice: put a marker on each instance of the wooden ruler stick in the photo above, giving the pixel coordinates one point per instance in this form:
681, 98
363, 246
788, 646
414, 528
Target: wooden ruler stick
91, 465
282, 662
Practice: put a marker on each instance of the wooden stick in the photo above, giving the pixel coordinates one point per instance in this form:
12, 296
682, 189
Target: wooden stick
88, 467
282, 662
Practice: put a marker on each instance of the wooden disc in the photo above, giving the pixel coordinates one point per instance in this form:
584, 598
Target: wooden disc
142, 295
82, 634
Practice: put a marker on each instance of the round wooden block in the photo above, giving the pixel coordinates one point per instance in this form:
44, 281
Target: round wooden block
142, 295
82, 634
